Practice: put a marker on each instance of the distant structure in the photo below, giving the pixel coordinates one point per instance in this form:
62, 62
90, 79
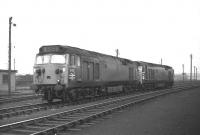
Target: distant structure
179, 77
117, 52
183, 72
190, 67
4, 80
24, 80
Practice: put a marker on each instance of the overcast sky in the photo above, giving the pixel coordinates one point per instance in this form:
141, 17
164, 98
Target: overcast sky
145, 30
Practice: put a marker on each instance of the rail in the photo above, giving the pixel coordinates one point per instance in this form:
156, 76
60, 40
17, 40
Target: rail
58, 122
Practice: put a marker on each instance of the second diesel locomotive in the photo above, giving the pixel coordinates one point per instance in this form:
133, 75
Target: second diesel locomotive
69, 73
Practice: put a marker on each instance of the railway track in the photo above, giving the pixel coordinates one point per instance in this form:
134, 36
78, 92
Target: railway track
10, 99
26, 109
65, 121
32, 108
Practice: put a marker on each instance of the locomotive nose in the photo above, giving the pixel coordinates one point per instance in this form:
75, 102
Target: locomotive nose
50, 74
54, 74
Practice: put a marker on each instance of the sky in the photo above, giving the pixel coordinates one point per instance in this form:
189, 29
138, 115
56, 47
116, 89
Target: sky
144, 30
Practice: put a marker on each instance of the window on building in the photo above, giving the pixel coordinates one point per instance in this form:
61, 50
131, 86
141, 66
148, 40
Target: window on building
5, 79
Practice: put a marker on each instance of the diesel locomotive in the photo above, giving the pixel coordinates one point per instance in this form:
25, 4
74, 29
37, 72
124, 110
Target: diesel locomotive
69, 73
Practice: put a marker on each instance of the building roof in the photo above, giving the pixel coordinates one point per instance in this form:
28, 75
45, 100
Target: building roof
3, 70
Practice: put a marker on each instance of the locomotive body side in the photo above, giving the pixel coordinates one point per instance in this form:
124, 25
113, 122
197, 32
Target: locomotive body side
69, 73
118, 74
157, 75
107, 73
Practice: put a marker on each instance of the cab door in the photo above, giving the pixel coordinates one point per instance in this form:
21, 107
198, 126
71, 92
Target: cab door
88, 71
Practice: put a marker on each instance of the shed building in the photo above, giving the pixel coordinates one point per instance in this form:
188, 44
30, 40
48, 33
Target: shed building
4, 80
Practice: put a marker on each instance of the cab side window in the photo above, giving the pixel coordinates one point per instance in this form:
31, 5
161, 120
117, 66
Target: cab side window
74, 60
77, 61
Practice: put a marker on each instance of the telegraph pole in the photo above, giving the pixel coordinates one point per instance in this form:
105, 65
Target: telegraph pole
14, 63
183, 71
117, 53
9, 56
194, 72
161, 61
190, 67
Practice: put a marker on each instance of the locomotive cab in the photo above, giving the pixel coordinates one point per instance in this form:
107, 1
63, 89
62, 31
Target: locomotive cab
50, 73
53, 70
50, 68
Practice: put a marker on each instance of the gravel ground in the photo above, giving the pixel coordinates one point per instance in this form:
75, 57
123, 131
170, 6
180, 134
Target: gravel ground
20, 103
174, 114
24, 102
15, 94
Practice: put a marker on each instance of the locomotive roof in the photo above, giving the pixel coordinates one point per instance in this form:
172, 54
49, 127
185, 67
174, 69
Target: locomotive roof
155, 65
61, 49
83, 52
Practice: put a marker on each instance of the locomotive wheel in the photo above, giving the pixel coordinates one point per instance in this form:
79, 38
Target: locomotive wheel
64, 97
72, 95
50, 100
